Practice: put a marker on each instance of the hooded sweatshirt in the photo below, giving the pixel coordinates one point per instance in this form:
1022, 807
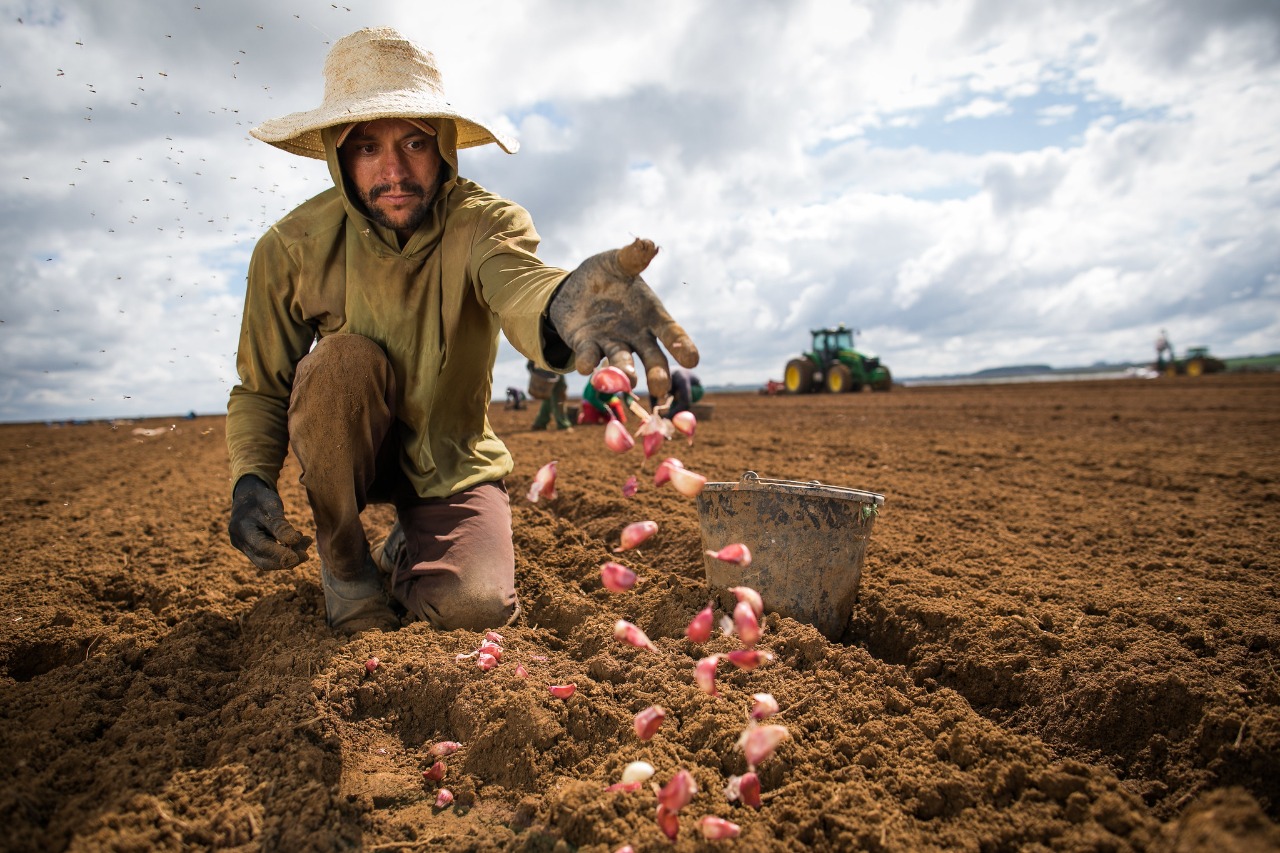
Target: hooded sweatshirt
435, 305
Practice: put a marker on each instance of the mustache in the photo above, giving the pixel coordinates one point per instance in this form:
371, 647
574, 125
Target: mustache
409, 187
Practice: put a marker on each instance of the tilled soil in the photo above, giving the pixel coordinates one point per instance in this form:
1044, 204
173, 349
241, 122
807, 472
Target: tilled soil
1066, 638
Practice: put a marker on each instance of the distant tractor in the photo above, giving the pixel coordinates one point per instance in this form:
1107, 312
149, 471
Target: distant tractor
1196, 361
834, 365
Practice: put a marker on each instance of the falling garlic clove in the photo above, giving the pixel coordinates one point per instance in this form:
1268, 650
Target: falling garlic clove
685, 423
616, 437
736, 553
749, 595
758, 742
371, 665
699, 630
765, 706
663, 472
746, 624
704, 675
610, 380
651, 442
521, 672
435, 772
668, 821
648, 720
748, 659
635, 533
444, 798
686, 482
562, 691
626, 787
678, 791
637, 771
714, 828
749, 789
616, 577
628, 633
544, 483
630, 487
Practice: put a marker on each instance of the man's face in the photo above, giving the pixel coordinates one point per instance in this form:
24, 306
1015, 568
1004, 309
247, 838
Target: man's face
394, 167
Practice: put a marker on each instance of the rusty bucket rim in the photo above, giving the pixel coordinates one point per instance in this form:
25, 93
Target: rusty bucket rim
807, 488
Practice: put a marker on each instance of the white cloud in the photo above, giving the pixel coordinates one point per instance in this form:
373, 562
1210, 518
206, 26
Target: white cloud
794, 162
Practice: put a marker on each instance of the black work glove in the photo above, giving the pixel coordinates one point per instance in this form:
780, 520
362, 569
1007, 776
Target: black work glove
259, 529
604, 309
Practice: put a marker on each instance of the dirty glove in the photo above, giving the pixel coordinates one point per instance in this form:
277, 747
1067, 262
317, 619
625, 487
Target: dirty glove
605, 310
259, 529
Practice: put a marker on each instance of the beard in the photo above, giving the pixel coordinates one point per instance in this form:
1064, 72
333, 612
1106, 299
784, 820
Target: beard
412, 219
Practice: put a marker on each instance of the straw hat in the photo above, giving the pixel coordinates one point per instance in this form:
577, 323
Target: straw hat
371, 74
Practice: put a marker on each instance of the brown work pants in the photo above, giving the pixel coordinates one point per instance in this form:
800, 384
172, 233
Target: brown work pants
458, 568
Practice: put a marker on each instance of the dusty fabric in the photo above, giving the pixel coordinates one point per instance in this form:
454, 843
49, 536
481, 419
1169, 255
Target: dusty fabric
459, 569
435, 305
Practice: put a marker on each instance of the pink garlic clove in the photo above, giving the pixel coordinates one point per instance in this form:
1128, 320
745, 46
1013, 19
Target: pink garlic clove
445, 748
663, 471
668, 821
371, 664
521, 672
626, 848
714, 828
630, 487
444, 798
435, 772
486, 661
749, 595
758, 742
765, 706
685, 423
746, 624
626, 787
736, 553
677, 793
562, 691
726, 624
488, 647
748, 659
616, 577
628, 633
749, 789
635, 533
686, 482
544, 483
651, 442
704, 675
610, 380
493, 637
616, 437
699, 630
648, 720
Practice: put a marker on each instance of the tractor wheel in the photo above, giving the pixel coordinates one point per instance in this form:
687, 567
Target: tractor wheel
1195, 367
839, 379
884, 383
798, 377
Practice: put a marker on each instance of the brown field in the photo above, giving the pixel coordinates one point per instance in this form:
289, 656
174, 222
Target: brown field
1066, 638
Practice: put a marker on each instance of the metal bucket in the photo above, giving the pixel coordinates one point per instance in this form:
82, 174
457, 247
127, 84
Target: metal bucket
807, 543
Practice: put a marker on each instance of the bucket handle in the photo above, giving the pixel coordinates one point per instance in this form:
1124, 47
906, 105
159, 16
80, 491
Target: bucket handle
752, 476
752, 479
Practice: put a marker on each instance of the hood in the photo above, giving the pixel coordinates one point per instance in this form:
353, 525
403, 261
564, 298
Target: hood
429, 231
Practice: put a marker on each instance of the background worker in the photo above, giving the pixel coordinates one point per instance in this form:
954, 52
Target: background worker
600, 408
552, 389
368, 338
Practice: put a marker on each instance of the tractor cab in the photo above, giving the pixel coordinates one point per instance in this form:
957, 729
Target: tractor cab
829, 344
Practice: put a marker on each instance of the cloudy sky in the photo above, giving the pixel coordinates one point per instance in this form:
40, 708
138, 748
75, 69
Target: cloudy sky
969, 184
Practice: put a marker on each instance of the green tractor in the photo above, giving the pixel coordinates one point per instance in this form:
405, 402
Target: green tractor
834, 365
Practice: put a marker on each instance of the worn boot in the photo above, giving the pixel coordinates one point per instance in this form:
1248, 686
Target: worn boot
358, 605
389, 554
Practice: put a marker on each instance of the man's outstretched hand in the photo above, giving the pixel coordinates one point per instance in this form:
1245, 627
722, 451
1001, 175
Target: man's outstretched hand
259, 529
604, 309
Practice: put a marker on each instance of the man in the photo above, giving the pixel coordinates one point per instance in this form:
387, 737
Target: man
551, 388
600, 407
368, 340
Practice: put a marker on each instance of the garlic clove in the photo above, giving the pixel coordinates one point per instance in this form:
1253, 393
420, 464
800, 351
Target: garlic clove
686, 482
758, 742
635, 533
616, 577
637, 771
699, 630
521, 672
610, 380
648, 720
628, 633
562, 691
746, 624
544, 483
486, 661
748, 659
616, 437
714, 828
663, 472
651, 442
445, 748
371, 664
444, 798
630, 487
685, 423
435, 772
736, 553
749, 595
704, 675
679, 791
765, 706
668, 821
749, 789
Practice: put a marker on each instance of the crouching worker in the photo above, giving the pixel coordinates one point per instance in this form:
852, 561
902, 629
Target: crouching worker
369, 334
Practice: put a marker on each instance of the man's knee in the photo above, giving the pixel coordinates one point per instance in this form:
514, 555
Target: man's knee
448, 604
353, 358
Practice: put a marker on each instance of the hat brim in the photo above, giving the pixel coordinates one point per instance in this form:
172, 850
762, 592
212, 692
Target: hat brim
299, 133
